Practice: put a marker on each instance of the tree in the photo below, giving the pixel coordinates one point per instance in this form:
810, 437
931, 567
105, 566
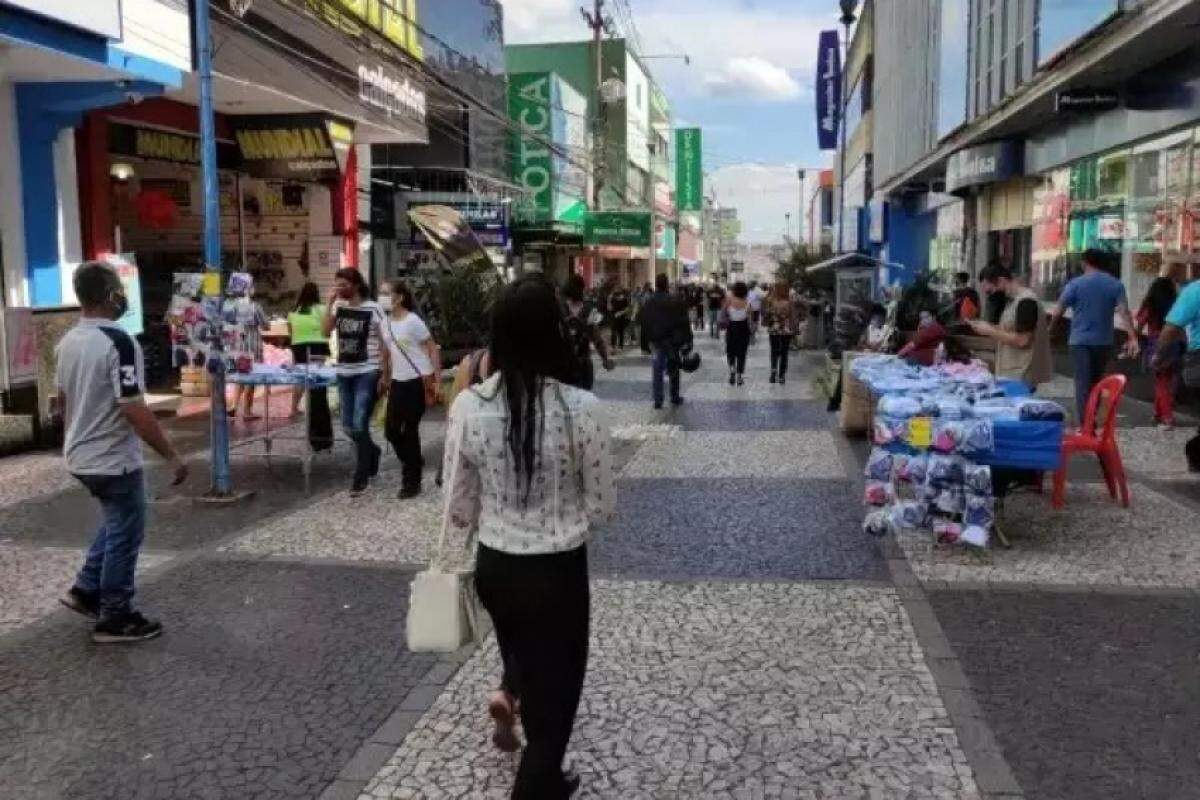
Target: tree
793, 270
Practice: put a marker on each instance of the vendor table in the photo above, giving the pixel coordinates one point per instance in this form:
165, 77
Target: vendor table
306, 377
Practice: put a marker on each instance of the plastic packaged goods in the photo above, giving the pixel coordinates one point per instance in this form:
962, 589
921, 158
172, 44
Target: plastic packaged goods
944, 471
912, 469
978, 479
879, 465
878, 493
975, 535
877, 523
979, 437
980, 511
949, 501
1035, 408
909, 514
898, 405
947, 531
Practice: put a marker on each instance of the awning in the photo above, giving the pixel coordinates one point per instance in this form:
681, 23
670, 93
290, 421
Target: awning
849, 261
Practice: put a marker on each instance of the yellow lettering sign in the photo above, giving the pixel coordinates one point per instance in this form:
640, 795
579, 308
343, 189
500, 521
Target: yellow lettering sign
284, 143
395, 20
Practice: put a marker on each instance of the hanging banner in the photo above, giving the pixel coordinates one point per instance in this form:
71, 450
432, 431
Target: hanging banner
298, 146
829, 90
689, 170
531, 98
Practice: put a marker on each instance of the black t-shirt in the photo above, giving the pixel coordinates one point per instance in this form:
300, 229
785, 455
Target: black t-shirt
618, 301
716, 296
581, 329
1028, 312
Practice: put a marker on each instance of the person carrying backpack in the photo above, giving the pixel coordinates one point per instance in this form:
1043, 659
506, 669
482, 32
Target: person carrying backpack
583, 330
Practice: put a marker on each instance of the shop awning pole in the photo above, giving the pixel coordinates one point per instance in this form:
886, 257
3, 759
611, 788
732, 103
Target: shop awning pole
219, 425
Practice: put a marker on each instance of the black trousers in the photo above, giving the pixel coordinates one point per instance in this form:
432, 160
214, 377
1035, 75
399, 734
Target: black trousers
619, 326
781, 344
406, 406
737, 342
540, 605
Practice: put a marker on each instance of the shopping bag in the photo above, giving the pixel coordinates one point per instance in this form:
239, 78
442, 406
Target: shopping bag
440, 611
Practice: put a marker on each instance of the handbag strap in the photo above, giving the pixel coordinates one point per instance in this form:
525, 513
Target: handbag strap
392, 338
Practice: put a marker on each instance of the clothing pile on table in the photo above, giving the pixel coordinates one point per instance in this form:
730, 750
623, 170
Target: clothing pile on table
932, 427
286, 375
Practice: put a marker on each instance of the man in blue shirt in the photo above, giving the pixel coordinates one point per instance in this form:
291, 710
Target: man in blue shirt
1094, 297
1183, 321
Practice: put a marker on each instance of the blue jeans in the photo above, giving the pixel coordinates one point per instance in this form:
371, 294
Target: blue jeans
112, 559
713, 315
358, 394
660, 366
1089, 362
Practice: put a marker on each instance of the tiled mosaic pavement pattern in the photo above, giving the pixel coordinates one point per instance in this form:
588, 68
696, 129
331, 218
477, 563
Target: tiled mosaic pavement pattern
753, 690
1092, 541
262, 687
781, 454
1156, 453
1091, 696
36, 577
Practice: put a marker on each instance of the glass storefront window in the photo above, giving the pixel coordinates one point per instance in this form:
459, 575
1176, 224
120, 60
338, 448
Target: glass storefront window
1051, 219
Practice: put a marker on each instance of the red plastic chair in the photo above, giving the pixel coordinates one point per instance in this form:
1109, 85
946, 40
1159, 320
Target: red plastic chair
1107, 392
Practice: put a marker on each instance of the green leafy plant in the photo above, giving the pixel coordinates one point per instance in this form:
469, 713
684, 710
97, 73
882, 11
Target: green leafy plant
458, 305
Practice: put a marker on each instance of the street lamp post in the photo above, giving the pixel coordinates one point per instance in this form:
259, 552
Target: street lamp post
800, 219
787, 221
848, 8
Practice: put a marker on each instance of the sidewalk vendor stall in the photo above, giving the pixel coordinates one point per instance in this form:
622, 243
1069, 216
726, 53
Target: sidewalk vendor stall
950, 440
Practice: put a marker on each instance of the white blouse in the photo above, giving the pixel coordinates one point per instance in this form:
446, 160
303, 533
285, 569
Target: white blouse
485, 494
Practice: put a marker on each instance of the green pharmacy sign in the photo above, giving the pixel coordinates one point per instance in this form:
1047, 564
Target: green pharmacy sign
689, 170
629, 228
529, 106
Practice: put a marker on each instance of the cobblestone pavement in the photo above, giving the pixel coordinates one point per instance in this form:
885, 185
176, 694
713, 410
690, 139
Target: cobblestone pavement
748, 640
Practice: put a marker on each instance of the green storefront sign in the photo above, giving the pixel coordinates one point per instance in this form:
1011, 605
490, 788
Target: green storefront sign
689, 170
629, 228
529, 106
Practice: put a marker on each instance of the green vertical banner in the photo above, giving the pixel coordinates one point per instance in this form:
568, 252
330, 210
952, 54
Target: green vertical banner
529, 106
689, 170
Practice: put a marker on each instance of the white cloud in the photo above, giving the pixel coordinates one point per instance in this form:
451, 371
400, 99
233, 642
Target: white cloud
752, 78
528, 21
762, 194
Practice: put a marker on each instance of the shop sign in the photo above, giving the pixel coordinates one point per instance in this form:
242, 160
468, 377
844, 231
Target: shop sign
985, 163
1070, 100
665, 241
486, 219
877, 211
297, 146
630, 228
689, 170
829, 89
394, 20
1111, 227
393, 95
102, 17
530, 100
159, 145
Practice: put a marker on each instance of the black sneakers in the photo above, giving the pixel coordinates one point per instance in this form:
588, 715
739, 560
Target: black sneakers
128, 627
81, 602
409, 492
358, 486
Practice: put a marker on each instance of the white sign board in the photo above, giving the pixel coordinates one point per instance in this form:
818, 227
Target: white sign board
102, 17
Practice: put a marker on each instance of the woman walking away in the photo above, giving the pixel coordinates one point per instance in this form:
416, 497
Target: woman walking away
783, 323
528, 468
363, 362
737, 335
310, 345
415, 360
1150, 319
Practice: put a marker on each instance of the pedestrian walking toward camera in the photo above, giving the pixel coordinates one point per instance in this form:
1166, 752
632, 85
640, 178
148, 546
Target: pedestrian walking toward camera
416, 374
665, 330
363, 367
1093, 298
529, 472
620, 306
583, 331
101, 384
715, 297
755, 296
738, 332
783, 324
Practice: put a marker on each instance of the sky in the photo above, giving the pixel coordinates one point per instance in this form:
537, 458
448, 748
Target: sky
749, 87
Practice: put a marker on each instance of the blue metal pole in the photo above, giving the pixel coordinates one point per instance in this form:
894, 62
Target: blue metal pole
219, 425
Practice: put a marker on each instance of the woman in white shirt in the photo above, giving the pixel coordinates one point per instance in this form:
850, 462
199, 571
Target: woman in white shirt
415, 359
528, 469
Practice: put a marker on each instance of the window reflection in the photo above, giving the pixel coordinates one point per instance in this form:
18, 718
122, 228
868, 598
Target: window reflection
1061, 22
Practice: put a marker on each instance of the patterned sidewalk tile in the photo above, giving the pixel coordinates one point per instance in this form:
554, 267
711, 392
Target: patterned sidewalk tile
1093, 541
718, 691
1156, 453
33, 578
782, 454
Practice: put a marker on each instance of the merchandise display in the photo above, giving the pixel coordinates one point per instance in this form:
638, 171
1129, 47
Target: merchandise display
938, 431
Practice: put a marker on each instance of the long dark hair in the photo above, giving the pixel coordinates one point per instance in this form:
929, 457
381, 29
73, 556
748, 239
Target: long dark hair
310, 295
529, 345
1159, 299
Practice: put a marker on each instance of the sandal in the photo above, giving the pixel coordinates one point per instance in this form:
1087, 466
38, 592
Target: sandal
502, 710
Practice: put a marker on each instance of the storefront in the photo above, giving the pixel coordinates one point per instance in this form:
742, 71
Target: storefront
1139, 203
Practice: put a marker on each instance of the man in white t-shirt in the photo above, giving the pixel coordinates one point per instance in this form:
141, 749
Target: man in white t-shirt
100, 379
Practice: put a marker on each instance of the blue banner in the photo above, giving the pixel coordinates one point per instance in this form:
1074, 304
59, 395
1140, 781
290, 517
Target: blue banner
829, 90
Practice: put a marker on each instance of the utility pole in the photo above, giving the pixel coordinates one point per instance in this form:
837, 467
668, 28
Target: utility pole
598, 24
219, 424
848, 8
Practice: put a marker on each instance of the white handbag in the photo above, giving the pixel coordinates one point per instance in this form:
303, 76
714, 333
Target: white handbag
442, 605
